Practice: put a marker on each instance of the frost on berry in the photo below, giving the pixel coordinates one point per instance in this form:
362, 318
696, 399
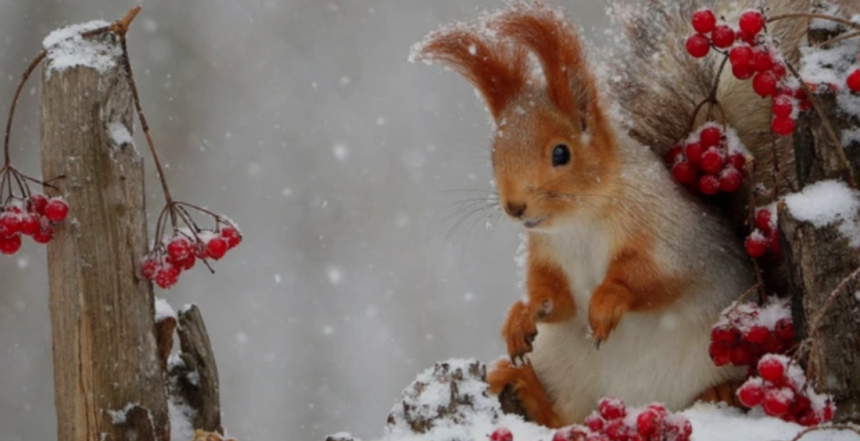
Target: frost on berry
613, 421
501, 434
710, 160
751, 22
57, 209
612, 408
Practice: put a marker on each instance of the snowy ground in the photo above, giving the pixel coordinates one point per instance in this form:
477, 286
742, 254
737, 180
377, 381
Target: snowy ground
474, 415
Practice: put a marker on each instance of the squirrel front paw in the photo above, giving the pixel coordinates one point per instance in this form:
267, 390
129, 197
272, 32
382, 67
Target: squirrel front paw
607, 306
519, 330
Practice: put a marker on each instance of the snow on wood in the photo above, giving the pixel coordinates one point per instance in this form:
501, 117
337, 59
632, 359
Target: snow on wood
66, 48
828, 203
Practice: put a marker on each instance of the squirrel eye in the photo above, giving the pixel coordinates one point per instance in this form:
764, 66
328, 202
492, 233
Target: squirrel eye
560, 155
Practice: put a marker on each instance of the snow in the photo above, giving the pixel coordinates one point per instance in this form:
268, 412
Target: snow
827, 203
119, 134
469, 412
119, 416
163, 310
66, 48
181, 417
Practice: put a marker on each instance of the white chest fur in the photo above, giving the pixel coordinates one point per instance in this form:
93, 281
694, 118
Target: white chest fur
655, 356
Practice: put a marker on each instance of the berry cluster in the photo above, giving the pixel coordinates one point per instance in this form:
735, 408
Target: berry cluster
709, 161
782, 391
747, 331
180, 252
35, 216
765, 236
613, 421
752, 55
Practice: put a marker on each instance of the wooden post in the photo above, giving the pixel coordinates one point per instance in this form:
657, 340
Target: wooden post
108, 378
821, 258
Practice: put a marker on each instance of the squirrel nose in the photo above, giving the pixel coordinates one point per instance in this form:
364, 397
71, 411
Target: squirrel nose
515, 209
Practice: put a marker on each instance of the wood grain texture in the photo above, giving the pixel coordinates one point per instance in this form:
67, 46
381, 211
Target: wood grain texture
102, 311
196, 379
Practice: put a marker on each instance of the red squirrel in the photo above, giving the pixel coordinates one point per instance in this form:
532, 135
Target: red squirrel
626, 271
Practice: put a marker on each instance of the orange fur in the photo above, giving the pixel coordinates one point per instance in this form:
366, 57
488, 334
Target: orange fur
633, 282
528, 390
497, 71
549, 301
723, 393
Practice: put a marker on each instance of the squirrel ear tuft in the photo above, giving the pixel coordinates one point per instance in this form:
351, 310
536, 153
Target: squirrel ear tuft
547, 34
497, 70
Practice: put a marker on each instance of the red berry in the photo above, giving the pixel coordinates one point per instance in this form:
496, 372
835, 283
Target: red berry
741, 56
761, 60
853, 81
751, 22
179, 248
751, 393
746, 37
683, 172
741, 354
216, 248
57, 209
616, 430
764, 83
777, 401
709, 185
10, 224
45, 234
827, 413
10, 244
698, 45
720, 353
723, 36
808, 418
37, 204
148, 268
724, 334
762, 220
166, 276
501, 434
773, 345
712, 161
778, 69
782, 106
730, 180
648, 422
232, 236
771, 368
693, 152
784, 330
710, 137
757, 334
594, 422
30, 224
742, 71
783, 126
756, 244
704, 21
612, 408
737, 160
673, 154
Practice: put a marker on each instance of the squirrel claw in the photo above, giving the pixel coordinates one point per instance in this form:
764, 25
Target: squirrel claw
519, 331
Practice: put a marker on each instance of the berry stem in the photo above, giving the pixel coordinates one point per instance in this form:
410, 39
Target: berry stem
121, 27
24, 78
843, 21
711, 98
842, 37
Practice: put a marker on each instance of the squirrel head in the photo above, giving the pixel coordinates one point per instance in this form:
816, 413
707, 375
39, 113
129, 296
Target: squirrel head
553, 153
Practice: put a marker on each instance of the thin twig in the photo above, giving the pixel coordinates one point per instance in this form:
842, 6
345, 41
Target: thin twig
816, 322
806, 431
839, 38
843, 21
27, 73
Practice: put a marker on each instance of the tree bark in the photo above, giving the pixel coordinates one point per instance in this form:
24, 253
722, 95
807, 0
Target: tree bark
819, 259
108, 379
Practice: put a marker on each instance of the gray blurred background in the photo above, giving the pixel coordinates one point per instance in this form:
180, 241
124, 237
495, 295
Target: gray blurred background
350, 172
